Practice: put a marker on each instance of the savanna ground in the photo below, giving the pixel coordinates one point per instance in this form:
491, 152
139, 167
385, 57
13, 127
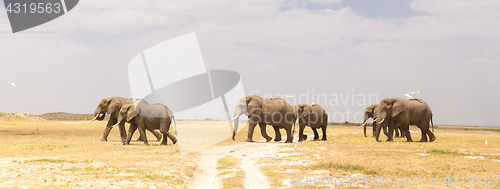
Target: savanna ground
35, 152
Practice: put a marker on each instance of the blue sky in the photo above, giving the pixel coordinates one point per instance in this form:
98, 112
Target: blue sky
449, 50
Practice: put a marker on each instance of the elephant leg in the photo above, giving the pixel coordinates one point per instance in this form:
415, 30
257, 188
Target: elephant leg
407, 133
396, 133
374, 126
142, 130
315, 131
131, 131
301, 132
384, 128
157, 134
278, 134
390, 132
108, 128
251, 128
263, 132
123, 131
323, 128
426, 131
164, 128
289, 136
424, 136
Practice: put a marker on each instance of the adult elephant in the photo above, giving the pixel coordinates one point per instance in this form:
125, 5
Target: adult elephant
276, 112
406, 112
142, 116
369, 113
111, 106
313, 116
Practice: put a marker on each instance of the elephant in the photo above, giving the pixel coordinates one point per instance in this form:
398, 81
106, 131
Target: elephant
111, 106
405, 112
313, 116
369, 113
276, 112
141, 115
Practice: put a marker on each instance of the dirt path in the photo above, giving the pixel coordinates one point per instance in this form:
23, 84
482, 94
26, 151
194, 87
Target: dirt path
249, 153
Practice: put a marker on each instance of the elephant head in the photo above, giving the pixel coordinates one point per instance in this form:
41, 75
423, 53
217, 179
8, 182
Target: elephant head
300, 111
249, 105
127, 113
108, 105
388, 109
369, 112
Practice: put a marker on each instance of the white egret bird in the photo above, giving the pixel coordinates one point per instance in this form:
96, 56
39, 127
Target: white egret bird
423, 147
13, 84
486, 142
397, 144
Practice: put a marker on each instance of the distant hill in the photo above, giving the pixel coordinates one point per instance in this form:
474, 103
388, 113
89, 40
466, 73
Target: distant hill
63, 116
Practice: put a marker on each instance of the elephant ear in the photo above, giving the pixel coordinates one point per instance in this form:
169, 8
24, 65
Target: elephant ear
131, 113
113, 106
306, 110
397, 107
255, 111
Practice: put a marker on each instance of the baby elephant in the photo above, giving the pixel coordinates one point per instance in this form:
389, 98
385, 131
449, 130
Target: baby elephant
144, 116
313, 116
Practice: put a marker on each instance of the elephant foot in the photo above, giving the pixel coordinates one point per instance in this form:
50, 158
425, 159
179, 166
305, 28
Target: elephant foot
288, 141
432, 139
323, 139
316, 139
164, 143
146, 144
174, 141
277, 139
103, 139
300, 140
249, 140
304, 137
409, 140
158, 138
389, 140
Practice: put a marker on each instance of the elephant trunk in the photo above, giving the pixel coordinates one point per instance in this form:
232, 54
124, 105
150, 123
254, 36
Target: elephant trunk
236, 122
377, 133
365, 118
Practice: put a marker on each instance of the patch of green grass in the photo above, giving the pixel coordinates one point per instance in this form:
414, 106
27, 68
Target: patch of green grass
332, 165
48, 161
443, 152
227, 163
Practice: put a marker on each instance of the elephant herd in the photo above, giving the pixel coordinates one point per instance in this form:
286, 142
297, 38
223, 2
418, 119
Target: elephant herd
396, 114
140, 114
391, 114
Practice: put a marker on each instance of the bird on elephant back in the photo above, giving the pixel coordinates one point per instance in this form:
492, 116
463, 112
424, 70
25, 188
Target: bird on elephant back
276, 112
313, 116
112, 106
405, 112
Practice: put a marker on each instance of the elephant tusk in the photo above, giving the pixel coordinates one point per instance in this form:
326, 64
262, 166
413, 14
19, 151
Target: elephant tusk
382, 120
94, 118
115, 124
364, 123
235, 117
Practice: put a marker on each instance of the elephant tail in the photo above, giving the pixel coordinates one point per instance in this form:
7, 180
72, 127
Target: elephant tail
432, 124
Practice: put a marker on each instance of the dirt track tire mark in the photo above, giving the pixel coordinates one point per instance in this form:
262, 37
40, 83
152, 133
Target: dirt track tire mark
207, 174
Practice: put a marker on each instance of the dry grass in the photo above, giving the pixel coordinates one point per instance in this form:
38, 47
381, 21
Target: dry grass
347, 152
231, 175
61, 154
52, 154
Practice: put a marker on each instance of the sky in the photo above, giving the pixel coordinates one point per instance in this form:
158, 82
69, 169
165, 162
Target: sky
342, 51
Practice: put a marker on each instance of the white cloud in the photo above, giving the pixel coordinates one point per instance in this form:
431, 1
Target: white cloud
455, 46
